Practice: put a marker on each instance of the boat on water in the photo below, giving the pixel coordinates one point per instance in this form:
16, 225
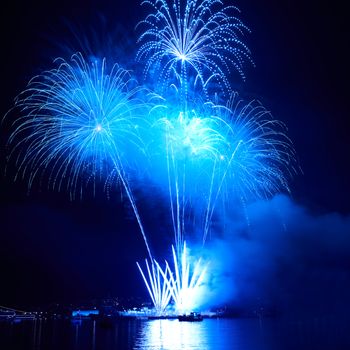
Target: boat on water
192, 317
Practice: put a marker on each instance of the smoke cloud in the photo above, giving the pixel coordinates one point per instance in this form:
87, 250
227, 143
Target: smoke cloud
282, 257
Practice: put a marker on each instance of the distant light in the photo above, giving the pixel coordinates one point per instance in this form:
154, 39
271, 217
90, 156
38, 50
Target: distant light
98, 127
84, 313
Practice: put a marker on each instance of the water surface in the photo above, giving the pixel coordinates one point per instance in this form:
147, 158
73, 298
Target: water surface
211, 334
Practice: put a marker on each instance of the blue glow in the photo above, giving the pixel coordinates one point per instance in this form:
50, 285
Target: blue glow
211, 155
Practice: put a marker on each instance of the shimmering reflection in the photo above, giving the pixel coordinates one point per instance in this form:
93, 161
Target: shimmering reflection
171, 335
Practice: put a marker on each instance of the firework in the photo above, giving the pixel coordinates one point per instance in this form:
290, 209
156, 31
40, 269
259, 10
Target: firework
84, 121
77, 122
181, 285
158, 285
213, 154
259, 159
187, 282
198, 40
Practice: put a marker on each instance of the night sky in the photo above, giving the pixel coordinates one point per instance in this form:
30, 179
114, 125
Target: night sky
53, 249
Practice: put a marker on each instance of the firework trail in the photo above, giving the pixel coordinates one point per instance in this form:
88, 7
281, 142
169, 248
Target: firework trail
78, 120
182, 285
193, 39
157, 284
185, 147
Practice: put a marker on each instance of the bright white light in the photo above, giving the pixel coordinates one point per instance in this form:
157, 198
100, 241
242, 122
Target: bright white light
182, 284
182, 57
172, 335
189, 275
98, 127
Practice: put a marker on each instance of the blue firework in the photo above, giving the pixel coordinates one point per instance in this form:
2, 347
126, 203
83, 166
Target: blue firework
80, 122
76, 122
261, 158
200, 38
212, 154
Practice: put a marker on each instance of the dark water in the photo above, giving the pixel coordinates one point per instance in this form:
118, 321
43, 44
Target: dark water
218, 334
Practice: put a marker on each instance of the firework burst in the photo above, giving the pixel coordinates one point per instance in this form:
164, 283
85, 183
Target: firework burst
213, 154
80, 122
199, 39
76, 122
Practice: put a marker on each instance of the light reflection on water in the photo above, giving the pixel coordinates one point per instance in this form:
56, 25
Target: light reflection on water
211, 334
172, 335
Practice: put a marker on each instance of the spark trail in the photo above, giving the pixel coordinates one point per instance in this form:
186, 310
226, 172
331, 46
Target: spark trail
182, 284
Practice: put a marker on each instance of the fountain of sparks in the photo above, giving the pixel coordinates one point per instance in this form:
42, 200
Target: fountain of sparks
186, 287
182, 284
158, 286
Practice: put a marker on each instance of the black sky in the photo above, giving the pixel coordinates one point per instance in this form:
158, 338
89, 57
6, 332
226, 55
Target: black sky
53, 249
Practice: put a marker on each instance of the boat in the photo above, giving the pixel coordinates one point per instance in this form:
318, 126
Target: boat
192, 317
